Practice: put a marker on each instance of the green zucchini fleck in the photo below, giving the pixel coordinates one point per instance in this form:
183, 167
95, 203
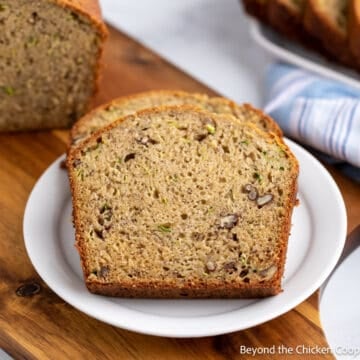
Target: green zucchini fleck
210, 128
257, 176
165, 228
8, 90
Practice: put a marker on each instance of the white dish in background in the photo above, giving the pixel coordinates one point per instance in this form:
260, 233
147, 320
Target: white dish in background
316, 241
195, 37
293, 53
339, 308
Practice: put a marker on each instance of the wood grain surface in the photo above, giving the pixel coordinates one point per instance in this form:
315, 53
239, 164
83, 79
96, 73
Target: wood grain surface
43, 326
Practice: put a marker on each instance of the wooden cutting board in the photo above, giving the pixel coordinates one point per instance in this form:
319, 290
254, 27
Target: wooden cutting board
43, 326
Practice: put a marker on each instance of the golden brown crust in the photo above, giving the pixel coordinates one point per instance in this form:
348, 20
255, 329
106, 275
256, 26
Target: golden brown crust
289, 206
286, 19
88, 8
318, 23
91, 10
270, 123
273, 126
333, 39
289, 21
159, 290
313, 29
354, 28
257, 8
168, 288
77, 127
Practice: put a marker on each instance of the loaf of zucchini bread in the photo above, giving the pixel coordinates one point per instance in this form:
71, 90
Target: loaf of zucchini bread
175, 202
287, 17
328, 22
332, 27
128, 105
49, 61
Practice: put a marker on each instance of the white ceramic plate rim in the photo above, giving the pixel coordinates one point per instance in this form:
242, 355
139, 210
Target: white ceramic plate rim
338, 307
63, 282
289, 56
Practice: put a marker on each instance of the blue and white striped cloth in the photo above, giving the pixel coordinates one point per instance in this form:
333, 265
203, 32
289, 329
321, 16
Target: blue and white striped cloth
318, 112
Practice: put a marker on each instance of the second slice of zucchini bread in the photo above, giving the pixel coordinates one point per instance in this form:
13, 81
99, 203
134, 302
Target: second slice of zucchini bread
175, 202
128, 105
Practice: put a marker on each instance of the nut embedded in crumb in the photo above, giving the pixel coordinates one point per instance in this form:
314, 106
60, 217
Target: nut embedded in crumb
76, 163
230, 266
104, 271
269, 272
146, 140
251, 191
264, 199
229, 221
210, 266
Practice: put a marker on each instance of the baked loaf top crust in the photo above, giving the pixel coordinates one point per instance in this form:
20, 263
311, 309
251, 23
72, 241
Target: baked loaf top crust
177, 202
327, 21
286, 16
258, 8
90, 9
330, 27
127, 105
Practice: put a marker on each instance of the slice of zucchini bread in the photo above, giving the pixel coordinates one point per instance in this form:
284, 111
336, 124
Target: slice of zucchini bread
257, 8
175, 202
128, 105
287, 17
328, 21
49, 61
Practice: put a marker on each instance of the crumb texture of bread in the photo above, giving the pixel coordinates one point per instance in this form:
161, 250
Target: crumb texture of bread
177, 202
50, 54
123, 106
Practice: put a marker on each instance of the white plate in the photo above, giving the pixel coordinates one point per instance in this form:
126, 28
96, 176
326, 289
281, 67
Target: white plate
316, 241
291, 52
339, 309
